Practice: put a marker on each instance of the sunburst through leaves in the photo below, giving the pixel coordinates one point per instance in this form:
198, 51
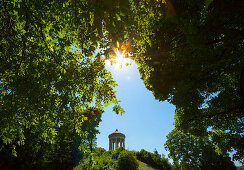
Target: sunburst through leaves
122, 55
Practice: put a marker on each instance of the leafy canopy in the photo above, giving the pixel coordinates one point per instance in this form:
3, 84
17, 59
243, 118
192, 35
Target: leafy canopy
191, 54
191, 152
51, 76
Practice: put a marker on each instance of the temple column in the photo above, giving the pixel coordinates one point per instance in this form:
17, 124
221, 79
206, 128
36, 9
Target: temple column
116, 143
109, 144
113, 145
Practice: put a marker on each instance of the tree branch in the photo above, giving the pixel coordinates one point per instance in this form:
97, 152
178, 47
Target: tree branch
234, 109
237, 109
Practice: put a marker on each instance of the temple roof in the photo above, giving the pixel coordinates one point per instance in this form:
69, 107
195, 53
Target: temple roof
116, 133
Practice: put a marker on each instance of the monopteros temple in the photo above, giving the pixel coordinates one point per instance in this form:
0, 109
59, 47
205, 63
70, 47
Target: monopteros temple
116, 140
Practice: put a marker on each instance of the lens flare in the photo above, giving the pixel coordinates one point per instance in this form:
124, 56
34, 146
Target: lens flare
121, 55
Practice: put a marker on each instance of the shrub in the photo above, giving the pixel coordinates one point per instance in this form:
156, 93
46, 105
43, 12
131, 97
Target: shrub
153, 159
127, 161
98, 159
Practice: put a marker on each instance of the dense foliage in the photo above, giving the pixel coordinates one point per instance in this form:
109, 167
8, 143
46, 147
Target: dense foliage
191, 152
62, 154
90, 128
127, 161
121, 159
240, 168
153, 159
191, 54
100, 159
50, 76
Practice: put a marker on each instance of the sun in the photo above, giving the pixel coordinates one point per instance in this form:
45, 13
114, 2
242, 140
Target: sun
121, 55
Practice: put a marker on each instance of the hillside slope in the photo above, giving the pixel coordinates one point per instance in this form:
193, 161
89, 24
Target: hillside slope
144, 166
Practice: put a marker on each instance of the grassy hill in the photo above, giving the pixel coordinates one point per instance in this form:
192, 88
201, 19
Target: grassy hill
122, 159
144, 166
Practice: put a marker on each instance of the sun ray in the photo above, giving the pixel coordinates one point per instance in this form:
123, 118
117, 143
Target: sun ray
121, 55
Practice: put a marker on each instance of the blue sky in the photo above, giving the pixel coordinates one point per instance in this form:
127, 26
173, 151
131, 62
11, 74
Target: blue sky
146, 122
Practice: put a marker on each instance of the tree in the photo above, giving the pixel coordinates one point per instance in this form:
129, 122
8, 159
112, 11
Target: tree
50, 74
191, 54
156, 153
90, 127
188, 151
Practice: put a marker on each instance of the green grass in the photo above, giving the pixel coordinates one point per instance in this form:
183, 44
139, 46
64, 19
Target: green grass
144, 166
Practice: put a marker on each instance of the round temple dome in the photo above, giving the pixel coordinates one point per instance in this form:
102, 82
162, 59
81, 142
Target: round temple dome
116, 139
116, 133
